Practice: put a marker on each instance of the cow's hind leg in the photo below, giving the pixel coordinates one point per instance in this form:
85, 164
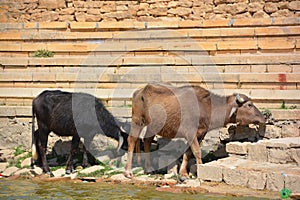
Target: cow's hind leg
195, 149
183, 167
42, 148
41, 142
74, 148
86, 146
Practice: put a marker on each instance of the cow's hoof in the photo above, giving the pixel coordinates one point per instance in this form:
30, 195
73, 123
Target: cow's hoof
150, 170
69, 171
183, 178
128, 174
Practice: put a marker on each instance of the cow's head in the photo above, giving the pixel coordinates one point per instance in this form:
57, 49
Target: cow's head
245, 112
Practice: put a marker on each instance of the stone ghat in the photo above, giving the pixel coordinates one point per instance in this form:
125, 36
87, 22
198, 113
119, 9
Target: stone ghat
260, 165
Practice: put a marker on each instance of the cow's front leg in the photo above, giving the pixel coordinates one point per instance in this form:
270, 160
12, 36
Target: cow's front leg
74, 147
131, 145
183, 167
147, 145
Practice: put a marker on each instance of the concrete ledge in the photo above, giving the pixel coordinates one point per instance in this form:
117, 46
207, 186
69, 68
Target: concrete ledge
26, 111
126, 94
133, 24
189, 32
120, 59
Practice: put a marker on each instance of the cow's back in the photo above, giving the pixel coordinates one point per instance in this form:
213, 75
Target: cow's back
170, 111
53, 110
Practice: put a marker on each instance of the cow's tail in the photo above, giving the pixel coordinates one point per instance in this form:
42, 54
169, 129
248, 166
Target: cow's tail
34, 151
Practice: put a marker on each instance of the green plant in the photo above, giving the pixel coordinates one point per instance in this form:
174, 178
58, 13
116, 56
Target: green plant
293, 107
17, 161
109, 147
267, 113
43, 53
19, 150
239, 85
97, 173
283, 106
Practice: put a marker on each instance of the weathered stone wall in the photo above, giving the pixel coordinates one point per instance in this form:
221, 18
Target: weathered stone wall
143, 10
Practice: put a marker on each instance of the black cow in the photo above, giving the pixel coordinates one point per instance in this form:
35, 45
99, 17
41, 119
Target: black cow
71, 114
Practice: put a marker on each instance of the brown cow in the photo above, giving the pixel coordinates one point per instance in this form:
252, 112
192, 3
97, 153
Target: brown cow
184, 112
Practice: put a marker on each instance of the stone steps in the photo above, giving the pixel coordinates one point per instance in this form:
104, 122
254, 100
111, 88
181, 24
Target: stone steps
278, 151
258, 165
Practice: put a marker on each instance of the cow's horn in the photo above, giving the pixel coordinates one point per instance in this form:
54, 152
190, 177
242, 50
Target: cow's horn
239, 99
120, 142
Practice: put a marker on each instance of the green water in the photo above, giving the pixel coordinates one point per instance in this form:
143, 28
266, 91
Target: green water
28, 189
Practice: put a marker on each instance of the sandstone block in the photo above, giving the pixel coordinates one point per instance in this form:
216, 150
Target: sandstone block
270, 7
3, 166
260, 14
255, 7
64, 18
279, 155
93, 11
291, 130
10, 171
294, 5
257, 180
210, 172
22, 171
78, 4
59, 172
296, 155
52, 4
26, 162
67, 11
221, 9
104, 156
238, 8
237, 148
181, 11
274, 181
31, 1
293, 182
235, 176
192, 183
80, 16
37, 171
271, 131
91, 169
257, 152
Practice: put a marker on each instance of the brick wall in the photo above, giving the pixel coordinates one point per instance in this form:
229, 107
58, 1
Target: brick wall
259, 57
143, 10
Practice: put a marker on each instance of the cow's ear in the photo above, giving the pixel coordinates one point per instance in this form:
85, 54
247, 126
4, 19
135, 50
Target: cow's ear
148, 89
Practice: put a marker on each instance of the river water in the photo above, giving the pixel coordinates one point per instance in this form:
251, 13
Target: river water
28, 189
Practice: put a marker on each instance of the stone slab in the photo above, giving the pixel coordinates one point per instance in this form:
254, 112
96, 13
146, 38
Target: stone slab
252, 174
210, 172
291, 142
257, 152
237, 147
